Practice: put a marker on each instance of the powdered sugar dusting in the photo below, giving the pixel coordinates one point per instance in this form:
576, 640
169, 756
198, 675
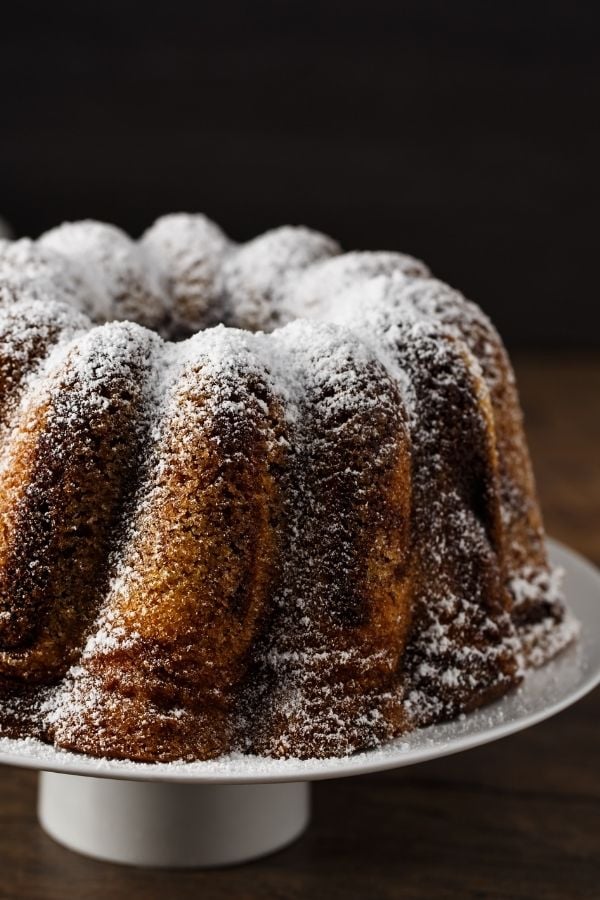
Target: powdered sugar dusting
29, 271
120, 282
380, 398
256, 278
189, 252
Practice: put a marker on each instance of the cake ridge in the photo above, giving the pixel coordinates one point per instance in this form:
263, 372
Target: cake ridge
308, 681
66, 423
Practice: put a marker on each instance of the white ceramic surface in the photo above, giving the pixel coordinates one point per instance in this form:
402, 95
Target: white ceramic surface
544, 692
171, 825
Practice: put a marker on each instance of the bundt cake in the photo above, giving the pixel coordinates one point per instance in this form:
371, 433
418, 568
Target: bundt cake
266, 498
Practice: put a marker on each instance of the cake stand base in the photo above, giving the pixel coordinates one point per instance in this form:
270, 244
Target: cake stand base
144, 823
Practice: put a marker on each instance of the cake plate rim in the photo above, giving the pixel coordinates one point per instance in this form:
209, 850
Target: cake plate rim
544, 693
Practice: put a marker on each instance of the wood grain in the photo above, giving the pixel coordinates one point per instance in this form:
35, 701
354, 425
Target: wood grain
517, 819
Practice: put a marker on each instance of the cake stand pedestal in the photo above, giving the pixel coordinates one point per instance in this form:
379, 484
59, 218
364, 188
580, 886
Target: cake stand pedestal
171, 825
233, 809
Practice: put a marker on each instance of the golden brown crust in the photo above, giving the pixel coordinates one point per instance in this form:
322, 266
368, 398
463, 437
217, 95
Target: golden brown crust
459, 654
326, 670
68, 462
193, 580
528, 574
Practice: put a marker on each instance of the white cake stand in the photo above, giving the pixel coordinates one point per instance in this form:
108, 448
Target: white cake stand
237, 808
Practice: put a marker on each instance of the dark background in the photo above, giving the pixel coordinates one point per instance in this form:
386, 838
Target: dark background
466, 133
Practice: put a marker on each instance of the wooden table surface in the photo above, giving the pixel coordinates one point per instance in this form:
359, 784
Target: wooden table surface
519, 818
